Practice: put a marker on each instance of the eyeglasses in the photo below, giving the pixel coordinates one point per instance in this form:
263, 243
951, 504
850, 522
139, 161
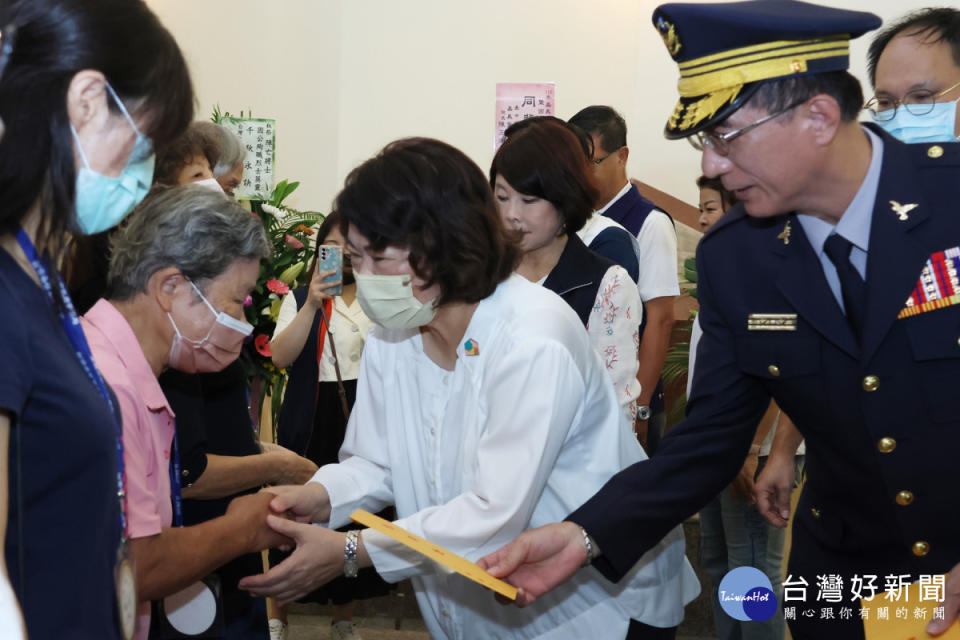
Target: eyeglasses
599, 161
720, 142
7, 37
918, 102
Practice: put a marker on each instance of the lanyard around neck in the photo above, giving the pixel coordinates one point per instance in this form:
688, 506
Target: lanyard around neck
176, 491
71, 326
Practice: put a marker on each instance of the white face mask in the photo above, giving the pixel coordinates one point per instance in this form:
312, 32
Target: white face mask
210, 183
937, 126
389, 301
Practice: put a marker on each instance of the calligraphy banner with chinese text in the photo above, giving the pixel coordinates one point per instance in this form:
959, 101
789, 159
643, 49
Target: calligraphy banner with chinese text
519, 101
259, 137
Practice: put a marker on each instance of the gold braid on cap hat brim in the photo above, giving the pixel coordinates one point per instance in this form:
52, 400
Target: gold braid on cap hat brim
719, 77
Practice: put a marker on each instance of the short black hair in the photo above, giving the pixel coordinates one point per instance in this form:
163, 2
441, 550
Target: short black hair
728, 197
780, 93
585, 140
56, 39
546, 159
936, 24
430, 198
606, 123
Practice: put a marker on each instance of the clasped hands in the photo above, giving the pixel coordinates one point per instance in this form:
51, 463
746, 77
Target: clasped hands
317, 557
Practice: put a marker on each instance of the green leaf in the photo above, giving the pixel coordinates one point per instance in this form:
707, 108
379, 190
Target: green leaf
291, 273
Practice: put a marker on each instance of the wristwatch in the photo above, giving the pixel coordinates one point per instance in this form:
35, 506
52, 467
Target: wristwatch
350, 554
643, 412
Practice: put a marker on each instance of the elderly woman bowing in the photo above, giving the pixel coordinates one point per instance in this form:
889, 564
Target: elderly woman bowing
180, 271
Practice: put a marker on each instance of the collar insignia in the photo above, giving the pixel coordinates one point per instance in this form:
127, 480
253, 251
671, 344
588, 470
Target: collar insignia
785, 234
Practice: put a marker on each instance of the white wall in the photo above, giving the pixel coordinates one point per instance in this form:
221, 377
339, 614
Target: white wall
279, 59
344, 77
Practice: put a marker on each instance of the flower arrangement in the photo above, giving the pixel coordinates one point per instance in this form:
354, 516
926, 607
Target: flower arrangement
291, 239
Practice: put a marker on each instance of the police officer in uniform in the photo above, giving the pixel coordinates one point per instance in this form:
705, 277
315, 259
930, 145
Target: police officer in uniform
832, 288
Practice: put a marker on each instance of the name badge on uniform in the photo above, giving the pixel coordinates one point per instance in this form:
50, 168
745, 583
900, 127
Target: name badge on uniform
772, 322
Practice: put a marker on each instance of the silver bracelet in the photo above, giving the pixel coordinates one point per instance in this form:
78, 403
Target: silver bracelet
350, 567
588, 543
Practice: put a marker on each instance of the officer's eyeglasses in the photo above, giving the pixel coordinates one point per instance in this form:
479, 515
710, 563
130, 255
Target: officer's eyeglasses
7, 37
719, 143
918, 102
599, 161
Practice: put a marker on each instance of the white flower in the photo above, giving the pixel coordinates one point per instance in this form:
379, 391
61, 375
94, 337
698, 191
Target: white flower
274, 211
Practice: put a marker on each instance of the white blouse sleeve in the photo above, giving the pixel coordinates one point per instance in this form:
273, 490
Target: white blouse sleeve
614, 329
362, 478
11, 620
530, 400
288, 311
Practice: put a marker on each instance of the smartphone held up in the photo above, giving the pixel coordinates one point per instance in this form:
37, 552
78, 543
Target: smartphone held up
330, 258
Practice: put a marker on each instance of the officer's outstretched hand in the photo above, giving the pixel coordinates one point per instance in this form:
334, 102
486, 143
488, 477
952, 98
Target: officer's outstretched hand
951, 604
773, 487
538, 560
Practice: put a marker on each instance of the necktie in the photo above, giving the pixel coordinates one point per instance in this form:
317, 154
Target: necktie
853, 288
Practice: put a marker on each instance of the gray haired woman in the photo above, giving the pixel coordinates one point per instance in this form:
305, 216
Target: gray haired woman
180, 271
225, 151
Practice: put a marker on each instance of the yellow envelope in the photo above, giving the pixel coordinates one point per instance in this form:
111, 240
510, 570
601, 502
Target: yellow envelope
435, 552
909, 628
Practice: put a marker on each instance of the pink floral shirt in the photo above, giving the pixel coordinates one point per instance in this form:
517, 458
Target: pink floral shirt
614, 329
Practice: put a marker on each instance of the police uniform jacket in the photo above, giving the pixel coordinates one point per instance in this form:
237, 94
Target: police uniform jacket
880, 417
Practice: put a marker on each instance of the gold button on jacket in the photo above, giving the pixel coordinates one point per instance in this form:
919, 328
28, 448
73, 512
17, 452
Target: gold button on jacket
886, 445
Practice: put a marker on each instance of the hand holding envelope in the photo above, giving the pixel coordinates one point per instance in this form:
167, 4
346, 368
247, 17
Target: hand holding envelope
913, 627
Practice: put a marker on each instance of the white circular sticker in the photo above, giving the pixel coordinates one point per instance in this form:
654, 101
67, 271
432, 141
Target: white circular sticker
126, 599
193, 610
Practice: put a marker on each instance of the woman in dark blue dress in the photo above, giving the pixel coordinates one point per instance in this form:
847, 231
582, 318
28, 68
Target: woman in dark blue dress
89, 89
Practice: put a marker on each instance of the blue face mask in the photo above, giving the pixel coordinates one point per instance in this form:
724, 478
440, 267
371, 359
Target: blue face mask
103, 201
937, 126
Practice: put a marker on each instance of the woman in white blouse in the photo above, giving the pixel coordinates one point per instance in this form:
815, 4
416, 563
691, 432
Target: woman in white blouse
544, 190
313, 419
481, 411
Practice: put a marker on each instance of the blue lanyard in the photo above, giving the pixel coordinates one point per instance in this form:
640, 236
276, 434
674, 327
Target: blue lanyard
175, 487
71, 326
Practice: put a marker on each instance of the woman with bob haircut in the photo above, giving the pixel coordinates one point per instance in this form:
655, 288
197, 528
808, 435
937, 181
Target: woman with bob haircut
89, 90
481, 410
545, 192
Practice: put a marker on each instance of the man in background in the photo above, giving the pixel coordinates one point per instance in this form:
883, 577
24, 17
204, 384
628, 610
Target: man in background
658, 283
914, 66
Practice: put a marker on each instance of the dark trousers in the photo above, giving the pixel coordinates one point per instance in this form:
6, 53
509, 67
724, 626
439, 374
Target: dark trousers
252, 625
